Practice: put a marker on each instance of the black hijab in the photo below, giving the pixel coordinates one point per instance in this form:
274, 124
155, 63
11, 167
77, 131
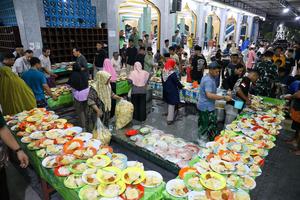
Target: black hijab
78, 79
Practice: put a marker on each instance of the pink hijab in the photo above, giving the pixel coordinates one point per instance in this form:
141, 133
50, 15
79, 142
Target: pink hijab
108, 67
139, 76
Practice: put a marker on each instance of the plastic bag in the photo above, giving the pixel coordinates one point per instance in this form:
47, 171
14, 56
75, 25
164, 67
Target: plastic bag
101, 133
123, 113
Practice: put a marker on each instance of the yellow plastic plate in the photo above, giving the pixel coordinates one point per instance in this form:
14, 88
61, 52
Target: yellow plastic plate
111, 194
114, 170
216, 176
139, 171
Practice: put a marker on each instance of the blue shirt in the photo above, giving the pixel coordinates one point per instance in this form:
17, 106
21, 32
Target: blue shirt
35, 80
208, 84
294, 87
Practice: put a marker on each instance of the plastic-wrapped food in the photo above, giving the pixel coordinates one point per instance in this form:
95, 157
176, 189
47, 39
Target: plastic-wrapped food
124, 113
101, 133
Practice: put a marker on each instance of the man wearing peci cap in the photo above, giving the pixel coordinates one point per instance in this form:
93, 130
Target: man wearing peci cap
229, 69
268, 75
207, 122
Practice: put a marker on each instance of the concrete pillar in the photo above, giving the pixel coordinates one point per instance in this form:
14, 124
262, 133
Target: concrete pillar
167, 22
250, 26
101, 11
141, 25
256, 30
40, 7
238, 27
182, 25
147, 20
121, 23
193, 25
30, 18
112, 25
201, 23
223, 26
175, 21
209, 28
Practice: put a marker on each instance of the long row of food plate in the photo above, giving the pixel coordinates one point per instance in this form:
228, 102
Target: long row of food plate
78, 166
225, 168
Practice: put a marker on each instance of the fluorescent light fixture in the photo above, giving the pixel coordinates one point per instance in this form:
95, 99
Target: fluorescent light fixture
229, 8
297, 18
285, 10
65, 1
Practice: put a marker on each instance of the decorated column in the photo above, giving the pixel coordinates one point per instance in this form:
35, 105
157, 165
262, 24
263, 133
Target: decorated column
201, 23
209, 28
238, 27
147, 20
250, 25
141, 24
256, 30
223, 26
121, 23
175, 22
182, 25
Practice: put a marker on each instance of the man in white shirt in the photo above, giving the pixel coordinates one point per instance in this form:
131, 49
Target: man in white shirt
46, 63
116, 62
166, 48
46, 67
261, 49
22, 64
19, 51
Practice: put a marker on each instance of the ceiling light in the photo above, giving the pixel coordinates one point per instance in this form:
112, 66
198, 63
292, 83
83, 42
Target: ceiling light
297, 18
286, 10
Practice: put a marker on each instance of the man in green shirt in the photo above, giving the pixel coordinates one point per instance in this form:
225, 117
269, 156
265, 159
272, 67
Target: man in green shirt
7, 139
135, 37
265, 86
149, 62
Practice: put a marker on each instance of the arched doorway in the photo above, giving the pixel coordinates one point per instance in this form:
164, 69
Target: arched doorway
230, 30
187, 21
212, 30
142, 14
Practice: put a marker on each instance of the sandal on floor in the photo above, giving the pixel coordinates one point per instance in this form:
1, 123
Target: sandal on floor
170, 122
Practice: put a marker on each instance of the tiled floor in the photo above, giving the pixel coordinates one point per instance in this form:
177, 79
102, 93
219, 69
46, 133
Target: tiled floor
280, 179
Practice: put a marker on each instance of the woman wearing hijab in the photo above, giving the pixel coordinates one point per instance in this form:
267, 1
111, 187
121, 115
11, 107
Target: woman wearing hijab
171, 87
80, 89
108, 67
15, 95
99, 100
139, 79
